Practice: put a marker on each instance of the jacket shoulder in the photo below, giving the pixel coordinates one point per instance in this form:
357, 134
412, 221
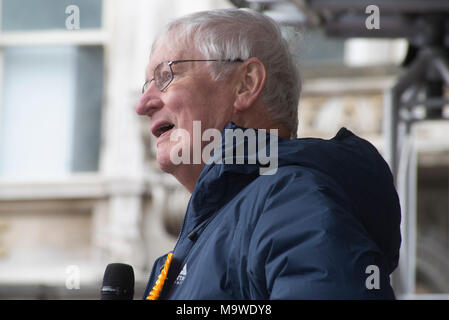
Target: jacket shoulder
307, 243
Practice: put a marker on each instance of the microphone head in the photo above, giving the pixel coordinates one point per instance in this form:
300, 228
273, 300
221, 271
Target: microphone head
118, 282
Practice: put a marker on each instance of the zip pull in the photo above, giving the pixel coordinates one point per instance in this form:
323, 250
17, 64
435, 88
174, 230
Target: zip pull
193, 236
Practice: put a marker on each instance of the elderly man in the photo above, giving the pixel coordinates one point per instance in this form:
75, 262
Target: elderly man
324, 224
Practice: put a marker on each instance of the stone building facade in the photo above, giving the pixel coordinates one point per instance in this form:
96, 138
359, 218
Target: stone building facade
58, 232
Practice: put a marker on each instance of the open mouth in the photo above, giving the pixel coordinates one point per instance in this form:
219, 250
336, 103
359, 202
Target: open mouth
163, 129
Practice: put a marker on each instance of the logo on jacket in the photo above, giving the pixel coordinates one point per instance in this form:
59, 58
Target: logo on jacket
181, 275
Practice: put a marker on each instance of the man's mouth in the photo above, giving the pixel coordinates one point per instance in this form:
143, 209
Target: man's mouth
162, 128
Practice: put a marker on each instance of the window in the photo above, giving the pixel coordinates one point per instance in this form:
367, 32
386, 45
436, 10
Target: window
318, 49
26, 15
50, 92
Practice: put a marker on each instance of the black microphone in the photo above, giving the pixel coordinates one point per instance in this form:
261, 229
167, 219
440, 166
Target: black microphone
118, 282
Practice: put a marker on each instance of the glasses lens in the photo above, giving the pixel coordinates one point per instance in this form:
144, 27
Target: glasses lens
163, 75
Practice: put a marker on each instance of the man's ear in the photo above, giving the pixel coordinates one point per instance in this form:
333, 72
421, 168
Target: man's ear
250, 83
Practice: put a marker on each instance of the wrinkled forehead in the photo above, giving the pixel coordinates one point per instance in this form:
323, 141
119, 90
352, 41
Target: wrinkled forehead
159, 53
172, 38
170, 48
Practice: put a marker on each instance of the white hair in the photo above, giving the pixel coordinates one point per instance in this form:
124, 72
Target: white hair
244, 33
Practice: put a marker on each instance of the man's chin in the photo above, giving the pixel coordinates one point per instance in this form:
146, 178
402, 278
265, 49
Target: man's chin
164, 163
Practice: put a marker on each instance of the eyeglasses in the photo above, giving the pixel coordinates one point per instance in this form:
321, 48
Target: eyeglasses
163, 73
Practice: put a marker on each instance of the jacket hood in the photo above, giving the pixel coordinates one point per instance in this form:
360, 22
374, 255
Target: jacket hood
351, 162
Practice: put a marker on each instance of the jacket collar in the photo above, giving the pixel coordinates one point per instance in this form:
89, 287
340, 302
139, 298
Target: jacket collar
221, 180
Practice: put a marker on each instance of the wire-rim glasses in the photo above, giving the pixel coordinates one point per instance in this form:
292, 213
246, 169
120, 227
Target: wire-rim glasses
163, 73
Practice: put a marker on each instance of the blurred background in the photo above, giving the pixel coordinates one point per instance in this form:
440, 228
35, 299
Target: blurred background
79, 187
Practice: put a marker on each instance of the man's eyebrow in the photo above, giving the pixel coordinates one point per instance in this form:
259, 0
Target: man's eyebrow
147, 72
151, 71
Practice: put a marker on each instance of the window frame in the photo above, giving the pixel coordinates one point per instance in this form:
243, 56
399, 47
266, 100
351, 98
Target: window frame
82, 37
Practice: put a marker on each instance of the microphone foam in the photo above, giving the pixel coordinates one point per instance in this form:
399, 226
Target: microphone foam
118, 282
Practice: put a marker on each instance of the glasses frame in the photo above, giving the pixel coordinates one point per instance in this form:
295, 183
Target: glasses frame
147, 83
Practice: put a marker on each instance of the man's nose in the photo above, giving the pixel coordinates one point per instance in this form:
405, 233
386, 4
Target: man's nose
150, 101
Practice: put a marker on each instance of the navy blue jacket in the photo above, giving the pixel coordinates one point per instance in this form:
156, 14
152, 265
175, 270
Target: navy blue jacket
313, 230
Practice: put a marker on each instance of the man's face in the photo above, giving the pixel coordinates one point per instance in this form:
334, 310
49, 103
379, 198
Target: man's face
191, 96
